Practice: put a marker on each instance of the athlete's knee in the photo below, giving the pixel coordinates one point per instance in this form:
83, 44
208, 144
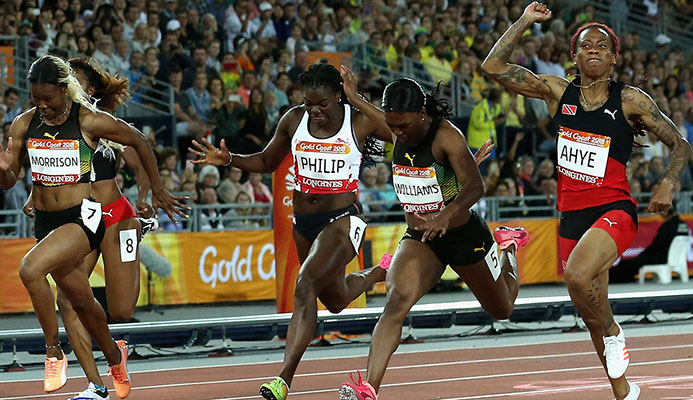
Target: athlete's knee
29, 272
398, 303
575, 280
334, 306
500, 310
120, 313
305, 289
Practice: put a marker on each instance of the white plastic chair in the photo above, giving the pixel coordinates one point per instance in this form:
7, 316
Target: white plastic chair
677, 261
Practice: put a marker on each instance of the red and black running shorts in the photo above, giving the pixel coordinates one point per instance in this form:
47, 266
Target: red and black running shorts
619, 219
119, 210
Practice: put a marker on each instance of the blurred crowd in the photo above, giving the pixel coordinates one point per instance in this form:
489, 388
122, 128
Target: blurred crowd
234, 65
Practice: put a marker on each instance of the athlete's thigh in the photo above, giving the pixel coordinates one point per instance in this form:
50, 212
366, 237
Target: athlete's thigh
122, 262
414, 270
329, 254
302, 246
593, 255
62, 247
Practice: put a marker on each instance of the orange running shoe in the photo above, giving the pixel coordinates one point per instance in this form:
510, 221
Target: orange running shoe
119, 372
55, 373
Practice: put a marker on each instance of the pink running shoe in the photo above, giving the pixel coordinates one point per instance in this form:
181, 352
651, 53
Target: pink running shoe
505, 236
385, 261
357, 391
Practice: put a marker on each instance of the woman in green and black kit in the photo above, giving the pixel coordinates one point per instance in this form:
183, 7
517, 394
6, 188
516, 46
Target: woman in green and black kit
437, 181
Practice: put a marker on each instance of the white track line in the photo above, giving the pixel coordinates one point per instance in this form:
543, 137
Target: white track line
428, 365
434, 381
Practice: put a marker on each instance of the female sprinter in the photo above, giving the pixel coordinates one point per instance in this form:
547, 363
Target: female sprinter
437, 181
59, 136
326, 137
596, 118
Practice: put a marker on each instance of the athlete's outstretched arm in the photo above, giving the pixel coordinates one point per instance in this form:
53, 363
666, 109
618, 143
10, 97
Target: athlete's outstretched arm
515, 77
267, 160
376, 116
638, 106
100, 124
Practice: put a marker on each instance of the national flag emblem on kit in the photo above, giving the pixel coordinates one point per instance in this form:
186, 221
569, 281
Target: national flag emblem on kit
569, 109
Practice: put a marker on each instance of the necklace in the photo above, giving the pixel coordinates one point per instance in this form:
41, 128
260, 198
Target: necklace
586, 104
43, 121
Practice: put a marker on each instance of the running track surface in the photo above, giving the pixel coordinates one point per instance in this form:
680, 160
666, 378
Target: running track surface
661, 365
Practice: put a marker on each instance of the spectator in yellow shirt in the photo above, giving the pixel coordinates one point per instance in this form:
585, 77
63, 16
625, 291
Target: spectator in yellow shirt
486, 116
438, 66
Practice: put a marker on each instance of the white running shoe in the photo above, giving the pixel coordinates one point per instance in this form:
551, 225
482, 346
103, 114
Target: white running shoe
91, 393
148, 225
616, 353
634, 393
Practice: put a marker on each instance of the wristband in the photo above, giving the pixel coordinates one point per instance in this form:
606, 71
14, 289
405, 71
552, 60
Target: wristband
230, 158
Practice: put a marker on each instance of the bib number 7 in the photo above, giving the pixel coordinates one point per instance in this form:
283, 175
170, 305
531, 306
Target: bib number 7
90, 213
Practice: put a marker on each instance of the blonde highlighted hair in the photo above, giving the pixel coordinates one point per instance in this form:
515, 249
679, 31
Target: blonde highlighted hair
55, 71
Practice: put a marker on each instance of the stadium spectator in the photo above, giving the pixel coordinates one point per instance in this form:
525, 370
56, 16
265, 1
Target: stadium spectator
199, 56
231, 184
10, 101
200, 97
259, 191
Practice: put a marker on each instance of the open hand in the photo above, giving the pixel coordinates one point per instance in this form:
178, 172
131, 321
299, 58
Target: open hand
434, 227
171, 205
484, 152
208, 154
350, 86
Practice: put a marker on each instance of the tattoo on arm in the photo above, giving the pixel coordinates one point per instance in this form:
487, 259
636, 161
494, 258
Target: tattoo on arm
667, 133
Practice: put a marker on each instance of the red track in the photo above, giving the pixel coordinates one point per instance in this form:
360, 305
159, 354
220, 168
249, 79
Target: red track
662, 365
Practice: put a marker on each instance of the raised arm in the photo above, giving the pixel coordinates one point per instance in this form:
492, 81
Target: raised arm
638, 106
267, 160
375, 124
515, 77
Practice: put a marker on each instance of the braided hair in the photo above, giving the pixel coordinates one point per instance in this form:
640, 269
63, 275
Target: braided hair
406, 95
323, 76
55, 71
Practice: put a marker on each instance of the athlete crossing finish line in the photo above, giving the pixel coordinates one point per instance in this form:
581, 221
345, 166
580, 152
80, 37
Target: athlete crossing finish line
596, 118
326, 137
69, 224
437, 182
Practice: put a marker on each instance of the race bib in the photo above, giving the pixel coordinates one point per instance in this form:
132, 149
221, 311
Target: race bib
128, 245
493, 262
417, 189
323, 166
583, 156
357, 230
91, 214
54, 162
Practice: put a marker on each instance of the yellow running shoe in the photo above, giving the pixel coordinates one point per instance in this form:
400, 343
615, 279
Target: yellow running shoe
55, 373
275, 390
119, 372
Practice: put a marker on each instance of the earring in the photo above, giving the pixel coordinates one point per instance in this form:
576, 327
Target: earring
423, 119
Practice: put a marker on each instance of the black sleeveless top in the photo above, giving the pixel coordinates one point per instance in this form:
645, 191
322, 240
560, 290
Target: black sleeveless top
59, 155
105, 163
593, 149
421, 184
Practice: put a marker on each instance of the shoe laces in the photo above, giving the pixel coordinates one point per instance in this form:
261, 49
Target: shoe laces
360, 385
613, 347
117, 373
52, 367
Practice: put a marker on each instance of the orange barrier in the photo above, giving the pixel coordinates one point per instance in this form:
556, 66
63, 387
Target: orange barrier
240, 265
